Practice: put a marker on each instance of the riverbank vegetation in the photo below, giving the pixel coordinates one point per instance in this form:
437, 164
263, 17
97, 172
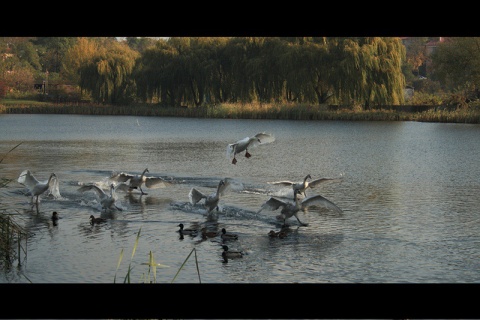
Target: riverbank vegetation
364, 73
422, 113
13, 237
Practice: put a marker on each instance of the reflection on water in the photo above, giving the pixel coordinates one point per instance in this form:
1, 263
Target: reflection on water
409, 196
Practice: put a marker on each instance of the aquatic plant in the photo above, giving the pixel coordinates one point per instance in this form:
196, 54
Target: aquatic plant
12, 234
152, 265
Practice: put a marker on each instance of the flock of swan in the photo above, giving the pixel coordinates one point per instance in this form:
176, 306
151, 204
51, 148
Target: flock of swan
128, 182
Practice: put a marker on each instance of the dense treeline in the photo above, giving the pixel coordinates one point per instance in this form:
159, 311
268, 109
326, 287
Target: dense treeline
202, 71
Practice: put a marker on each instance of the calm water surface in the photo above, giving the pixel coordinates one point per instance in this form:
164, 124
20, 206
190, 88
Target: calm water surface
410, 196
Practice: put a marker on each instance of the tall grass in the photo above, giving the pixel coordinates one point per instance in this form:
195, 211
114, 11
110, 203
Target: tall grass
12, 234
280, 111
152, 265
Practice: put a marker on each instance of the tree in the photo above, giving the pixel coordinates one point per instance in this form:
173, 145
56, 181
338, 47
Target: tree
107, 74
456, 64
368, 71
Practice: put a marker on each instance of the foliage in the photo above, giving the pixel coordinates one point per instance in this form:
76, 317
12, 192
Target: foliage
456, 64
205, 71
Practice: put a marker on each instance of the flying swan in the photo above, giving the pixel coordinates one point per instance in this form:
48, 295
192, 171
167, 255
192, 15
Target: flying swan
292, 209
36, 188
136, 181
249, 142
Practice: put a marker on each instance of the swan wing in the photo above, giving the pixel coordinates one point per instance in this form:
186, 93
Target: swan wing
230, 184
272, 204
28, 179
53, 188
91, 187
194, 195
320, 201
284, 183
155, 182
121, 177
264, 138
314, 183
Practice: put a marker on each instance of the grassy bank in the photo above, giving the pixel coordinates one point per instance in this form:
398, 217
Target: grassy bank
249, 111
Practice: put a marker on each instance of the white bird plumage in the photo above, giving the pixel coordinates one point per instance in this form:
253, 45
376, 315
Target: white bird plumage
135, 181
247, 143
36, 188
305, 184
107, 200
212, 200
292, 209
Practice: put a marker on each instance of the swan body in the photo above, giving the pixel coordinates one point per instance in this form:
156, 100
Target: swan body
291, 209
94, 220
249, 142
107, 200
227, 254
212, 200
305, 184
186, 231
36, 188
135, 181
228, 236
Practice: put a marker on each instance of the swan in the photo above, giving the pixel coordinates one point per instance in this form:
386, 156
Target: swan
292, 209
249, 142
211, 201
135, 181
304, 185
36, 188
107, 200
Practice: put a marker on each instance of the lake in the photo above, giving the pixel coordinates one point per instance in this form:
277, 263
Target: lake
409, 194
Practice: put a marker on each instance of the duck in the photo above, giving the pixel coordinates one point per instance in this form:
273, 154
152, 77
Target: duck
228, 236
135, 181
277, 234
304, 185
94, 220
208, 234
292, 209
227, 254
54, 216
186, 231
37, 188
212, 200
107, 200
249, 142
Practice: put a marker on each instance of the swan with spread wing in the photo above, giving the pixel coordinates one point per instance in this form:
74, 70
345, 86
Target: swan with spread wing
248, 143
212, 200
107, 200
292, 209
135, 181
37, 188
305, 184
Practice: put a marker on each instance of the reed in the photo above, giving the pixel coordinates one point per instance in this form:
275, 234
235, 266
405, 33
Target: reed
279, 111
152, 265
12, 235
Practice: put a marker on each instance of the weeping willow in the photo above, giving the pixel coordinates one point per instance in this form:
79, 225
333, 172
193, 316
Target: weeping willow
107, 75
